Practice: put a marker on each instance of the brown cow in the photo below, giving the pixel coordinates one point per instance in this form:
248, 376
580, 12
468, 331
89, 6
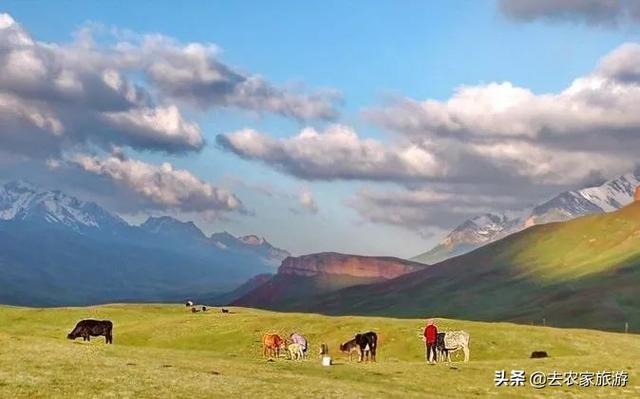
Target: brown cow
272, 343
350, 348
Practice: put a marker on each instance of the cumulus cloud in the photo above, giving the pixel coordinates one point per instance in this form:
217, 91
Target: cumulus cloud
340, 154
127, 90
425, 209
161, 124
482, 134
58, 96
593, 123
162, 186
486, 141
307, 201
110, 88
592, 12
593, 104
336, 153
622, 64
193, 73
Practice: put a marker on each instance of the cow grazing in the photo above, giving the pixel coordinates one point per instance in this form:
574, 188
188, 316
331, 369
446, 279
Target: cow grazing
225, 310
539, 354
452, 342
295, 351
194, 310
350, 348
95, 328
189, 304
204, 308
271, 344
368, 344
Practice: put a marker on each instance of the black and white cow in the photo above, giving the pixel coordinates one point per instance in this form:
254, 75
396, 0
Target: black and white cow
452, 341
368, 344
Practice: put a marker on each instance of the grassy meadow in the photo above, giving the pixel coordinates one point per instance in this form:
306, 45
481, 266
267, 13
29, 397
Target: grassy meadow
166, 351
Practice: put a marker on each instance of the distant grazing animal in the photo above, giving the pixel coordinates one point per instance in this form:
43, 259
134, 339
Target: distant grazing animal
539, 354
194, 310
350, 348
95, 328
368, 343
189, 304
454, 341
225, 310
295, 351
298, 338
204, 308
324, 350
271, 344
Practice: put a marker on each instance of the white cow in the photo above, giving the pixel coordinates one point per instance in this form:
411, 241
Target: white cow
454, 341
296, 352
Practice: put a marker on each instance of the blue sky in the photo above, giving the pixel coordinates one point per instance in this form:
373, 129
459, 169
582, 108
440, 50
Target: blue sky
372, 54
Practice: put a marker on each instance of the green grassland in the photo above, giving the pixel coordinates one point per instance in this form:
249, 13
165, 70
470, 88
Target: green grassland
580, 273
164, 351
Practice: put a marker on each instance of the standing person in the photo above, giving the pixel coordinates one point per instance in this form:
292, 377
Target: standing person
430, 338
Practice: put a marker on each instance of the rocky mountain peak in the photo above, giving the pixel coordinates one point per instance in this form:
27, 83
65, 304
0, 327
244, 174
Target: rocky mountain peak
331, 263
169, 225
480, 230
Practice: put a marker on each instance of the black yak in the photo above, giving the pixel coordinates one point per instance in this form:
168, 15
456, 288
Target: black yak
95, 328
368, 344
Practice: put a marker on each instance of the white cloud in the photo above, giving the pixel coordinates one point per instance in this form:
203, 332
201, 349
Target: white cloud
425, 209
308, 202
610, 13
83, 96
595, 103
336, 153
193, 73
163, 186
126, 90
161, 124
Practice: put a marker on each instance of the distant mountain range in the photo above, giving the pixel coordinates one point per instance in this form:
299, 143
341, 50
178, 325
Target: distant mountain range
580, 273
487, 228
58, 250
303, 278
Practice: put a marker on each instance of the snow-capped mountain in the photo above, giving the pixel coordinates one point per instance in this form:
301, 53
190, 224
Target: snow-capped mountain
253, 243
58, 250
167, 225
23, 201
480, 230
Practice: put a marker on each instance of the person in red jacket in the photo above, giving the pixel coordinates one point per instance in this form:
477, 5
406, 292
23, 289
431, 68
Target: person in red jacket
430, 338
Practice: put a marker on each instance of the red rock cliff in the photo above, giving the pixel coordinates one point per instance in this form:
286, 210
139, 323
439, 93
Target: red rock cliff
352, 265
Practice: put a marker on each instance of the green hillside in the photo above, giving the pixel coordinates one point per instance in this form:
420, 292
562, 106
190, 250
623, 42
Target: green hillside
289, 292
581, 273
166, 351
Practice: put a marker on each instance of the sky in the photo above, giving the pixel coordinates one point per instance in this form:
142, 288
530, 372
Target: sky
336, 126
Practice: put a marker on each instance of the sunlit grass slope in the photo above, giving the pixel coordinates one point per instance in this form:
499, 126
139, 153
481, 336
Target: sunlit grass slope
166, 351
580, 273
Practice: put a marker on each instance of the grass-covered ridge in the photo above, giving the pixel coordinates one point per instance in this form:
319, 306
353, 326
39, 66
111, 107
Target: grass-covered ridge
580, 273
165, 351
